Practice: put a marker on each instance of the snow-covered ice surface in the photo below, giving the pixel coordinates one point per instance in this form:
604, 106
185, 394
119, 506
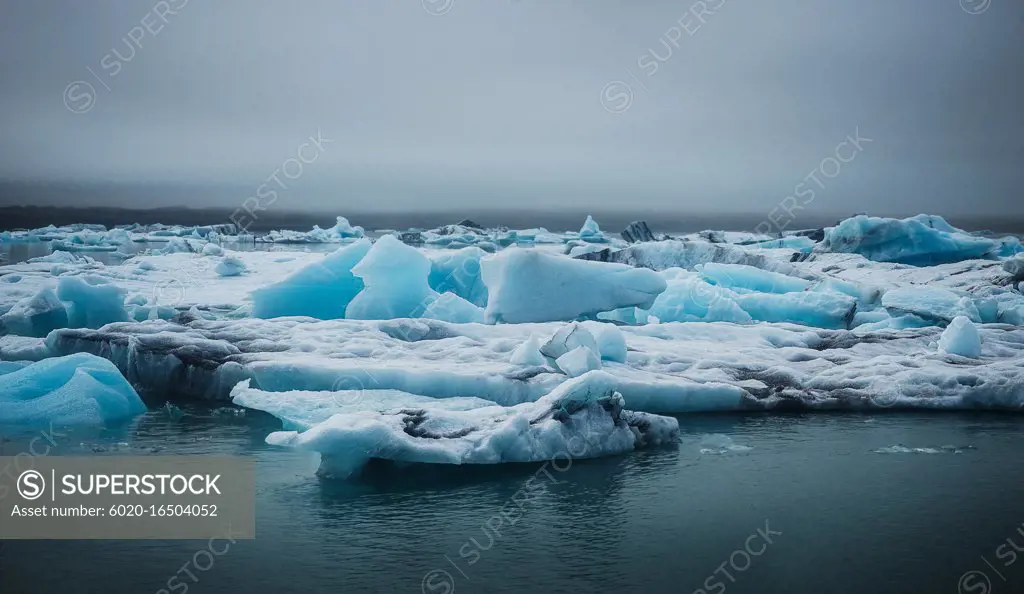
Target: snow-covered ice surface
474, 328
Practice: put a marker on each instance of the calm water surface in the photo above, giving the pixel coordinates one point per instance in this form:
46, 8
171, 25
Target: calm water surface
854, 513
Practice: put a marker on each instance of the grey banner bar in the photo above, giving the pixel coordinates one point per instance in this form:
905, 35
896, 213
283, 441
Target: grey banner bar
128, 497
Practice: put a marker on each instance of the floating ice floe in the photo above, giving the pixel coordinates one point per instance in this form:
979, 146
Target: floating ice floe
342, 231
582, 418
73, 390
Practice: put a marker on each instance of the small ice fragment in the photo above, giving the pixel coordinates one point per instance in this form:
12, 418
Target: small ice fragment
528, 354
961, 337
578, 361
230, 266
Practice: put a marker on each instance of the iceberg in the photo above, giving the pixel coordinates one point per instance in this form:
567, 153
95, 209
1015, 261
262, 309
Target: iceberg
922, 240
819, 310
449, 307
321, 290
690, 299
394, 276
740, 276
73, 390
932, 303
591, 232
582, 418
342, 231
459, 272
94, 302
35, 316
526, 285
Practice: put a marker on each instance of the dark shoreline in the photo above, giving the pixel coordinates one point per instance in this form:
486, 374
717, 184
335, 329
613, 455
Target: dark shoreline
31, 217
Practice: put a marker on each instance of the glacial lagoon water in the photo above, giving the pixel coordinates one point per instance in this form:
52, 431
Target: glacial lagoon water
761, 503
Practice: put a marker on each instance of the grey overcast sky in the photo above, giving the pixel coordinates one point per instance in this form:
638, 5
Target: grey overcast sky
722, 105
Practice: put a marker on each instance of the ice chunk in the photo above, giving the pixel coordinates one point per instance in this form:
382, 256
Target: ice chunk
611, 343
578, 361
582, 418
212, 249
322, 290
177, 245
345, 230
690, 299
719, 443
961, 338
395, 279
230, 266
662, 255
452, 308
459, 272
794, 242
921, 240
637, 231
591, 232
567, 338
733, 276
1015, 267
821, 310
73, 390
1010, 246
528, 354
94, 301
933, 303
36, 315
342, 231
530, 286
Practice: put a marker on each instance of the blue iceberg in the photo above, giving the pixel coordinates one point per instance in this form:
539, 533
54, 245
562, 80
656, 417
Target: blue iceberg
73, 390
922, 240
322, 290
